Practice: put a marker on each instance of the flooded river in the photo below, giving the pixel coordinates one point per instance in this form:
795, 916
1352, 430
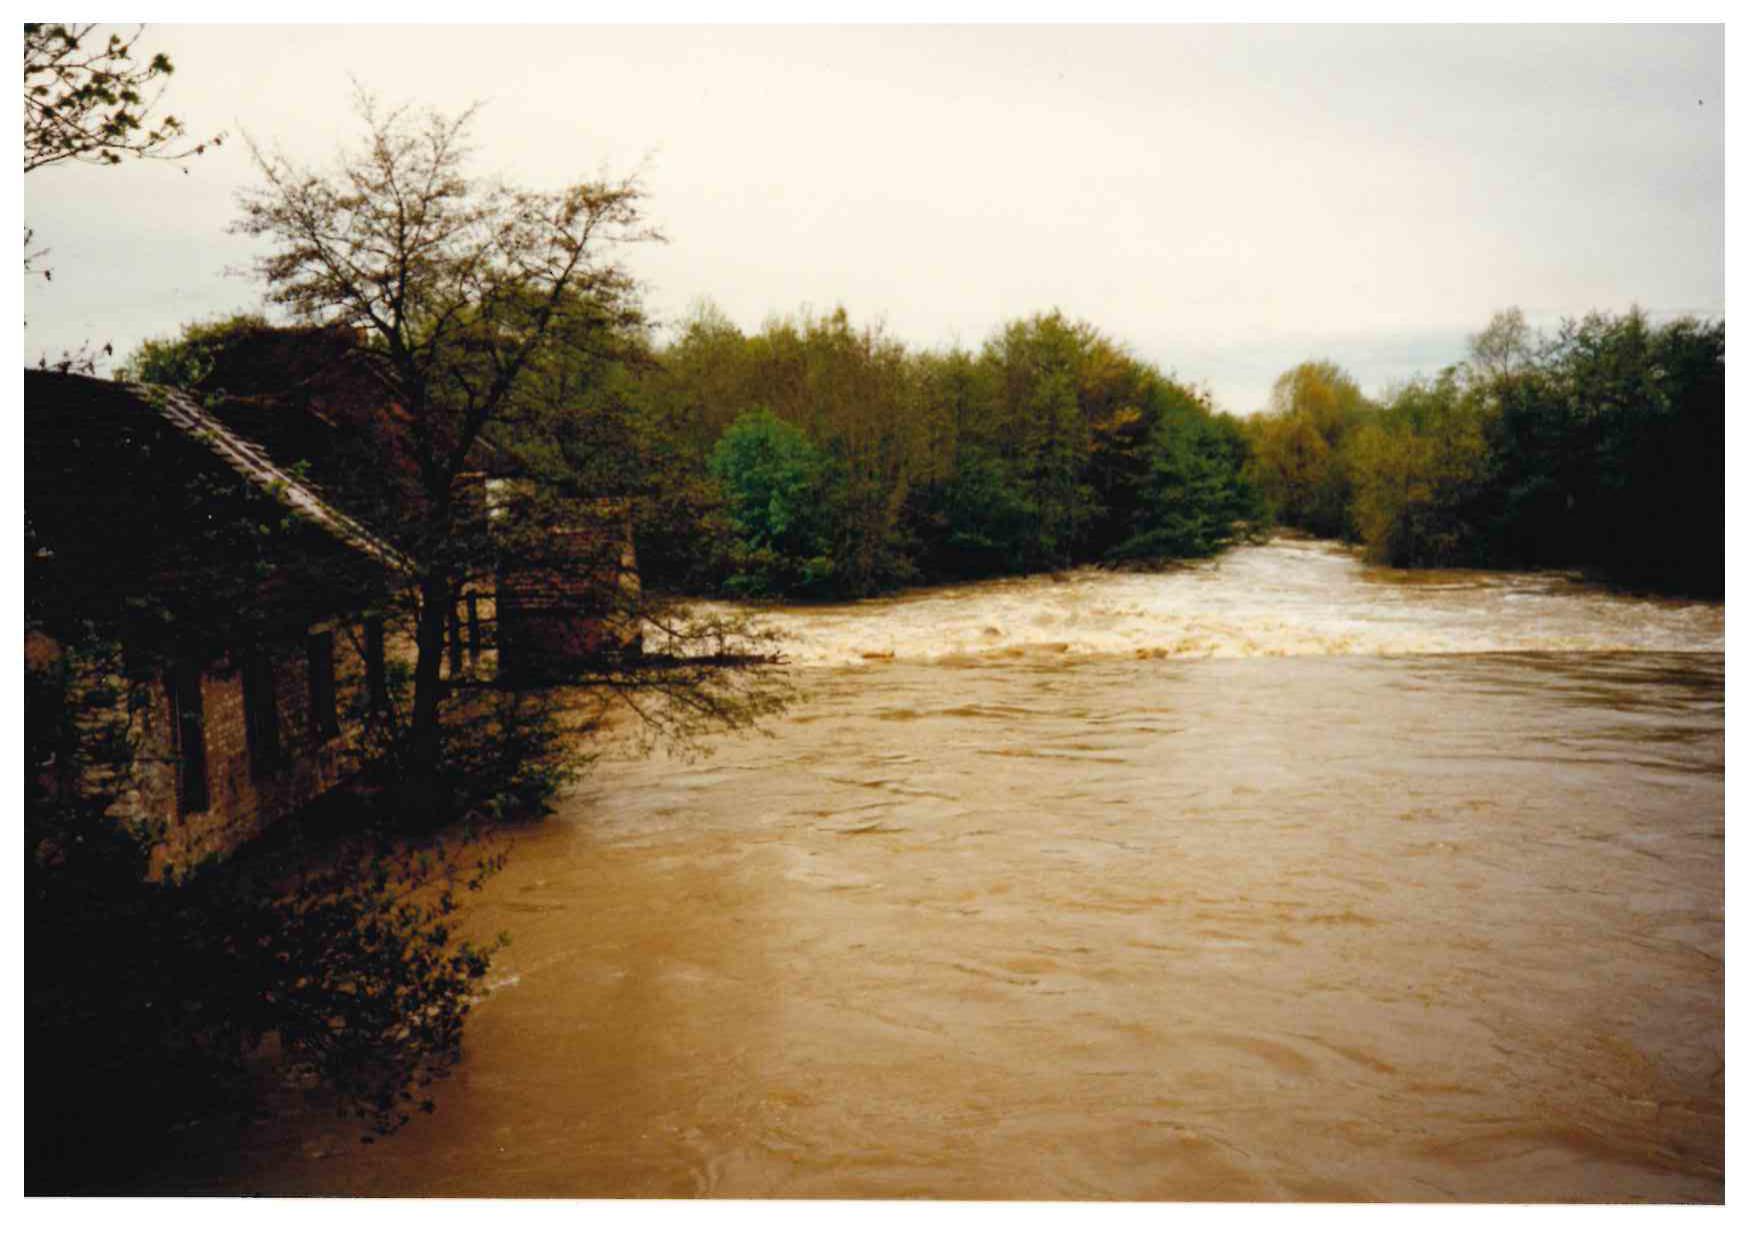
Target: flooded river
1276, 878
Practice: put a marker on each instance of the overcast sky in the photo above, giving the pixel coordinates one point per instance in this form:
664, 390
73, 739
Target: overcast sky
1225, 201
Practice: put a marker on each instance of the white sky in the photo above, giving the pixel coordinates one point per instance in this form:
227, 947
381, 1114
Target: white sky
1226, 201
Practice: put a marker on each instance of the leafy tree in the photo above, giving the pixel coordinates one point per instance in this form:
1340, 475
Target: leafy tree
1289, 459
1597, 447
1420, 473
1502, 348
1300, 447
853, 391
188, 360
857, 395
1196, 498
773, 477
88, 100
1043, 449
1608, 449
977, 521
464, 299
1055, 448
1039, 406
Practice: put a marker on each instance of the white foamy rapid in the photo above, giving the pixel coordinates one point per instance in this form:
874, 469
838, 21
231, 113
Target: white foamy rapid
1287, 597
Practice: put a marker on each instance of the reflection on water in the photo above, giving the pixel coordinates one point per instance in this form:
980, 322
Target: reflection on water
1070, 922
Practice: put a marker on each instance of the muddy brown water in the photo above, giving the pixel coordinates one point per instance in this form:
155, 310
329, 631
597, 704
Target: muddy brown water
1279, 878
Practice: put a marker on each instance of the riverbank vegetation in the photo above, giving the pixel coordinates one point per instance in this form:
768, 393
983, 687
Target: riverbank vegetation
1598, 446
816, 458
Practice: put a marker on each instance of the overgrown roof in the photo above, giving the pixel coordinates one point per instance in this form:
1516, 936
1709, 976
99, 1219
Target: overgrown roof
147, 516
252, 462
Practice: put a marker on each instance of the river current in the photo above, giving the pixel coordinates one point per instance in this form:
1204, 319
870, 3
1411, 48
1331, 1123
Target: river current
1276, 878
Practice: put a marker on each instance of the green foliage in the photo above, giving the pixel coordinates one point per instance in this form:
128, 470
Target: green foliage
1041, 450
978, 521
1418, 474
88, 100
1607, 453
1599, 447
773, 478
1055, 448
1196, 499
186, 360
1301, 450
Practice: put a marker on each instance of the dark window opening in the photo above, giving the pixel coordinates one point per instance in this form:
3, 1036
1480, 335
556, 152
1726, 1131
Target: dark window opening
375, 665
260, 714
188, 725
324, 715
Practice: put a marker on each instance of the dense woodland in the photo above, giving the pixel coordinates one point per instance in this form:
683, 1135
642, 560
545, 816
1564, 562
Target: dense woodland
1599, 446
819, 459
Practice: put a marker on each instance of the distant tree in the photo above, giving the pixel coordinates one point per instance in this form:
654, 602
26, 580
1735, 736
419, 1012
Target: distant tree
1608, 450
1288, 461
1042, 411
1045, 448
1301, 447
1597, 446
1323, 392
188, 359
1420, 474
1196, 498
774, 478
982, 523
1502, 348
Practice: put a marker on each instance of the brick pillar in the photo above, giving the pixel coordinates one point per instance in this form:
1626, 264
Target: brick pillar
455, 640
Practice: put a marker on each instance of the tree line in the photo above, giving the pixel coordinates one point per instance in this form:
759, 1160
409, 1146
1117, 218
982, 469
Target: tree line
1597, 446
816, 458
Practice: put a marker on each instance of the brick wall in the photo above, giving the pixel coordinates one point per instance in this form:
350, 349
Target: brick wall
573, 600
240, 802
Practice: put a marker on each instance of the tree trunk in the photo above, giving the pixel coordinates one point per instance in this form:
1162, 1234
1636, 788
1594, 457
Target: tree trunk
421, 788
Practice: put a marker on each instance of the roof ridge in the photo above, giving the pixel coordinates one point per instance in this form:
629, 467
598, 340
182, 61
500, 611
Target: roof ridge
254, 463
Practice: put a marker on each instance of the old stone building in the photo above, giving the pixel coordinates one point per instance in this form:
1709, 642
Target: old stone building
248, 614
244, 611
